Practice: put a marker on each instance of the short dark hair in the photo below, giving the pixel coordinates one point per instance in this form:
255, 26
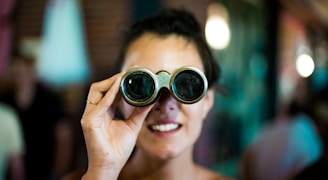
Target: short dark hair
168, 22
17, 56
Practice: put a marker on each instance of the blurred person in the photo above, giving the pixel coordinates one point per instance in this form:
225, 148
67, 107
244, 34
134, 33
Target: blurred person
285, 147
155, 141
11, 145
319, 112
41, 115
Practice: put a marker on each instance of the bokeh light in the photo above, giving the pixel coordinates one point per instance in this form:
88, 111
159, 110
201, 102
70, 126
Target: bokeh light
217, 30
305, 65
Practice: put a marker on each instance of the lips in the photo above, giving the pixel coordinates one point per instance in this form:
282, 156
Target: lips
167, 127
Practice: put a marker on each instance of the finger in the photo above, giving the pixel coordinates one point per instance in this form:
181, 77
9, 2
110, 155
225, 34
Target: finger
109, 101
138, 116
112, 108
97, 91
95, 115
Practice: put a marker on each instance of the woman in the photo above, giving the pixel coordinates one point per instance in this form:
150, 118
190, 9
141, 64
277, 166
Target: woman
162, 134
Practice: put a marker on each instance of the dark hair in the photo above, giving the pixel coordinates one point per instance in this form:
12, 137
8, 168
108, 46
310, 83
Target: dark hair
17, 56
179, 22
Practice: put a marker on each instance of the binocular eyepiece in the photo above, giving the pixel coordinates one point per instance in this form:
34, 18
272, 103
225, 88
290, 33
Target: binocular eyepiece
141, 87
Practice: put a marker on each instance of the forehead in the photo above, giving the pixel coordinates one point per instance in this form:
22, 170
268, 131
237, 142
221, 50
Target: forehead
162, 53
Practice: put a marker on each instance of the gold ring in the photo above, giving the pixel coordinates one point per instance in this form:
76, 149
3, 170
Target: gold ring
90, 102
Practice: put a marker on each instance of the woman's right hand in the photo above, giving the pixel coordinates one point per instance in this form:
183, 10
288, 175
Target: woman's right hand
109, 142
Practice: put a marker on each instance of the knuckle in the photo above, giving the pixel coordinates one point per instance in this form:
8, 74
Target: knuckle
94, 85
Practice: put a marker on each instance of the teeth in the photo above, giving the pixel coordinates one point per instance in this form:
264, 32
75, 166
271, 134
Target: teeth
165, 127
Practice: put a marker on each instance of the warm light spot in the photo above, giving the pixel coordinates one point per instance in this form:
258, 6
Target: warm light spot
305, 65
217, 32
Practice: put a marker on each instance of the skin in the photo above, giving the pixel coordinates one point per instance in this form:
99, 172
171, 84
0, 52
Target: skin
24, 77
159, 155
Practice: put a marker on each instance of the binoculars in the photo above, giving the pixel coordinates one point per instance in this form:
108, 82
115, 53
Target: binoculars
141, 87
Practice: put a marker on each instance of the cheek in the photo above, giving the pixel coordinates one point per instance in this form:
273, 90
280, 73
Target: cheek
195, 116
197, 111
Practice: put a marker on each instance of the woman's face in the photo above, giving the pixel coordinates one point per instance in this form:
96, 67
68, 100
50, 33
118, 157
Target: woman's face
23, 73
171, 127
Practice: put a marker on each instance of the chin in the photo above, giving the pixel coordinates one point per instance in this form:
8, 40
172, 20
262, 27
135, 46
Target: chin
166, 152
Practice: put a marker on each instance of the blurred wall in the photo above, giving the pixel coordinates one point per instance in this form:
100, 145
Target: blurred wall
104, 20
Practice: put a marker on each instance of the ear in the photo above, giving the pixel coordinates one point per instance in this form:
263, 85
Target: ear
208, 101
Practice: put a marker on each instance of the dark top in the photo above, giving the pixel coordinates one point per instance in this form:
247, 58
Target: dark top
317, 171
38, 123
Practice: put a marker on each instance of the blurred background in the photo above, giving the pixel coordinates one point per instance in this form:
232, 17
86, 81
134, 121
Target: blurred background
264, 47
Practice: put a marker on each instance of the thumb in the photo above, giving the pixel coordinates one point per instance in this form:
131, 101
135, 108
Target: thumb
137, 117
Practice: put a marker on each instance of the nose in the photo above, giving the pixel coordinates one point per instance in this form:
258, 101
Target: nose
166, 103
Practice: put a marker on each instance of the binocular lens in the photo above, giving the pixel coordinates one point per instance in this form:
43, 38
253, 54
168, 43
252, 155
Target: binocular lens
188, 86
139, 86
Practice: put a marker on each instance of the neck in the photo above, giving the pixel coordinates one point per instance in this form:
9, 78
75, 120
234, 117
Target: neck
142, 166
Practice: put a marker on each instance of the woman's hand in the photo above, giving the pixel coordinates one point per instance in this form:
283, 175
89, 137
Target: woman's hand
109, 142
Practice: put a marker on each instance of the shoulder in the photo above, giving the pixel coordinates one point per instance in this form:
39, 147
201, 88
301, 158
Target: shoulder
315, 171
9, 118
205, 173
7, 111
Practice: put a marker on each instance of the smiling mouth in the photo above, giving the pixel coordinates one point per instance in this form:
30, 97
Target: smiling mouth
164, 127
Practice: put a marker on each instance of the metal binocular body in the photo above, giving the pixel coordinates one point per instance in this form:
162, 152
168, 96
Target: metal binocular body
141, 87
